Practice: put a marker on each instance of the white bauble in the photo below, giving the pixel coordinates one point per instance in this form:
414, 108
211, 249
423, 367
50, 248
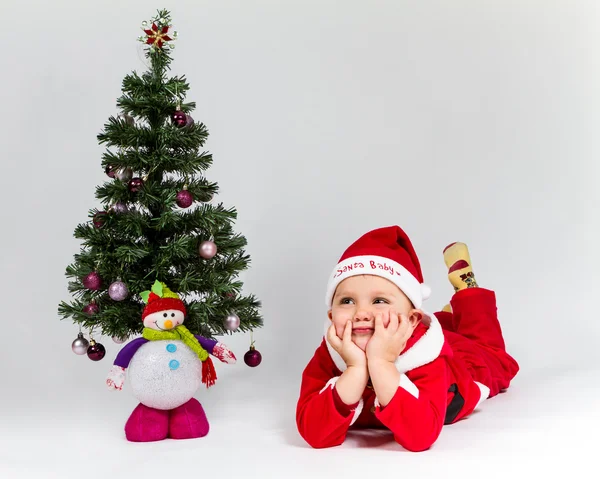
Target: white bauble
164, 374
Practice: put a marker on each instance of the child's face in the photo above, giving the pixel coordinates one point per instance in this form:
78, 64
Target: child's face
359, 299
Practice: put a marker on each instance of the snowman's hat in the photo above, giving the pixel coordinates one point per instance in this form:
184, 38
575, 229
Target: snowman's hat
156, 303
161, 298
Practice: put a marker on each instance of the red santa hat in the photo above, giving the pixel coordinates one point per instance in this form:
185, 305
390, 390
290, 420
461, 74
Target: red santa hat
385, 252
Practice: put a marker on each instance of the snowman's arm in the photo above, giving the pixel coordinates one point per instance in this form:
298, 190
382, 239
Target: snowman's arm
126, 354
217, 349
116, 376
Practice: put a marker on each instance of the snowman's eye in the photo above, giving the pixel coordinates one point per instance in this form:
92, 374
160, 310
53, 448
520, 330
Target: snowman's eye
165, 315
172, 315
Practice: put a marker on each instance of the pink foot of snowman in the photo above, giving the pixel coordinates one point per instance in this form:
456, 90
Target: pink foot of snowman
166, 367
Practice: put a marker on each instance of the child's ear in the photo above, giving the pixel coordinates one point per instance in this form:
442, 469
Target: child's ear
414, 317
329, 315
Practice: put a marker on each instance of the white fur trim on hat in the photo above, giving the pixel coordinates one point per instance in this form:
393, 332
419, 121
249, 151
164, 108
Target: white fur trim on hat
378, 266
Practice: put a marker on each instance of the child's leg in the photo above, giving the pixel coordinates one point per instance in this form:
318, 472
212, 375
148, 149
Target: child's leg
474, 317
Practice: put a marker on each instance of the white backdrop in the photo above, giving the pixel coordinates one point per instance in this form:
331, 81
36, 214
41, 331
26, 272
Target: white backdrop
460, 121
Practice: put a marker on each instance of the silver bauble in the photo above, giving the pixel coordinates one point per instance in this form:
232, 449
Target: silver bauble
208, 249
80, 345
231, 322
124, 174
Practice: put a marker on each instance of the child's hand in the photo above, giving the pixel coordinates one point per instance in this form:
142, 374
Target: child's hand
387, 343
345, 347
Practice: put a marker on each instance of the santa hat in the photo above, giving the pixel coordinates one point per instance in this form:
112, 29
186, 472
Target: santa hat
385, 252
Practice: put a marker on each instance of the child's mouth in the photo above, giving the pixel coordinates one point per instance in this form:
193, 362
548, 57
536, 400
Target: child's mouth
362, 330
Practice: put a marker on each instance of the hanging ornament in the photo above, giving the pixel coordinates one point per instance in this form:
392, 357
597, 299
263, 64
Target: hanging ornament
92, 281
91, 309
118, 291
119, 340
136, 185
231, 322
179, 118
184, 198
124, 174
99, 219
80, 345
208, 249
120, 208
127, 119
95, 351
189, 120
252, 357
110, 171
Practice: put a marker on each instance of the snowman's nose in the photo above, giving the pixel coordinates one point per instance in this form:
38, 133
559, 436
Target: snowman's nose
168, 324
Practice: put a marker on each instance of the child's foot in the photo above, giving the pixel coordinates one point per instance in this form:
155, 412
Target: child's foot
460, 271
147, 424
188, 421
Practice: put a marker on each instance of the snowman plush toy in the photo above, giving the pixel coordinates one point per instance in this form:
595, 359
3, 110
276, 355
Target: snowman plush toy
166, 367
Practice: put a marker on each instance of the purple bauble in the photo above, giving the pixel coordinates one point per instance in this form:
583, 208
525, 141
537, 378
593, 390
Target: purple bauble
96, 351
184, 199
252, 357
208, 249
110, 171
91, 309
179, 118
120, 208
92, 281
99, 219
118, 291
136, 185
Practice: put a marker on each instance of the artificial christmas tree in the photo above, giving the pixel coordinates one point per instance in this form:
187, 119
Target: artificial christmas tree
157, 222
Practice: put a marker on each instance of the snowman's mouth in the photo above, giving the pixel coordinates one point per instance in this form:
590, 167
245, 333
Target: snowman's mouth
156, 324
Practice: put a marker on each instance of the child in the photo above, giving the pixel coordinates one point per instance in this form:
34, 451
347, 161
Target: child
386, 362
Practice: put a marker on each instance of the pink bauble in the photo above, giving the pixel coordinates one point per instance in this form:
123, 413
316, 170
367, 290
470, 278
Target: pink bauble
96, 351
92, 281
252, 357
99, 219
118, 291
136, 185
208, 249
184, 199
91, 309
179, 118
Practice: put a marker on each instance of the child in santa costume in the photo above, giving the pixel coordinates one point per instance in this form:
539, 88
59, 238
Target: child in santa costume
385, 362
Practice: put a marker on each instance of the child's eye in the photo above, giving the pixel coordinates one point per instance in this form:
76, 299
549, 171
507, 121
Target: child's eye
346, 301
380, 301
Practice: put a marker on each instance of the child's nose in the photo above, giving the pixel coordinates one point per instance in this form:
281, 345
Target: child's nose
362, 315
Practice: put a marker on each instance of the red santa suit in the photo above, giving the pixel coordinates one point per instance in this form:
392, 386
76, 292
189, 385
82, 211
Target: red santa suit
450, 365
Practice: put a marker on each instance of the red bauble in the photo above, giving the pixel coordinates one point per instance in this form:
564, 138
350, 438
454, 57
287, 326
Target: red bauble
184, 199
252, 357
100, 218
136, 184
91, 309
92, 281
179, 118
96, 351
110, 171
